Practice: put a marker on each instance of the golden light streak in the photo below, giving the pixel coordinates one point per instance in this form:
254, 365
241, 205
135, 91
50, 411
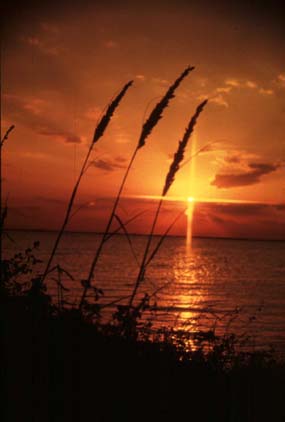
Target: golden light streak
189, 213
199, 199
190, 198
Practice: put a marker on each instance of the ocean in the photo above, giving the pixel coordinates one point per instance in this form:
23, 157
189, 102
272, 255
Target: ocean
231, 286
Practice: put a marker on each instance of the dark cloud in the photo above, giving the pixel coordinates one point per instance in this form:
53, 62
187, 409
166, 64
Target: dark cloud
263, 168
218, 220
121, 159
233, 159
237, 220
235, 209
53, 201
280, 207
31, 112
107, 165
240, 220
65, 136
250, 177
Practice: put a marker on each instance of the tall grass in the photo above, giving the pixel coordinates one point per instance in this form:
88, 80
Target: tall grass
99, 132
3, 209
6, 136
147, 128
174, 167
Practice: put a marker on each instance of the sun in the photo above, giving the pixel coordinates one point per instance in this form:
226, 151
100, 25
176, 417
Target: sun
190, 199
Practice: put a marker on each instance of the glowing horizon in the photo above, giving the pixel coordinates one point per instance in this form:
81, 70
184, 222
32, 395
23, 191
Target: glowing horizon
57, 80
200, 199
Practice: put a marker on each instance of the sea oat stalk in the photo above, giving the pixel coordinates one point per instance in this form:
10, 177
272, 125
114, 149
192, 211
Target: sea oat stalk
98, 133
3, 210
174, 167
6, 136
147, 128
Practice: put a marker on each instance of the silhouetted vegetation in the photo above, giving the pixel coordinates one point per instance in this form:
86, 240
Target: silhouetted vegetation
62, 363
147, 128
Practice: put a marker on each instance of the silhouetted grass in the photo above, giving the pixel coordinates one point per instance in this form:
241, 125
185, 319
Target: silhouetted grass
6, 136
59, 367
99, 132
60, 363
174, 167
3, 209
147, 128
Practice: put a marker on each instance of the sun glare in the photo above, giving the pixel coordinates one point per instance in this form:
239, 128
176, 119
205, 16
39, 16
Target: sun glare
190, 199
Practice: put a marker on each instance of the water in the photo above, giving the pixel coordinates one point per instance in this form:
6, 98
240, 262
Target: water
234, 285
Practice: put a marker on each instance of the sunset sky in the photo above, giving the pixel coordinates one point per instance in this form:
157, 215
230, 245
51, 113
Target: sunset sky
62, 64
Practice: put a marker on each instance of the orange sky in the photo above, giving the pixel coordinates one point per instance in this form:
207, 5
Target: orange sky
62, 65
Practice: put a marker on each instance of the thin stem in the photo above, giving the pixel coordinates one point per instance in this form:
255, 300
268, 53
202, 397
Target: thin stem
142, 267
147, 128
106, 232
67, 215
99, 132
109, 235
159, 243
1, 80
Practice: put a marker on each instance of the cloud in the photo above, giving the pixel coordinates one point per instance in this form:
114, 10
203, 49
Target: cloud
121, 159
110, 44
35, 105
108, 165
220, 94
266, 91
68, 137
280, 80
213, 98
219, 99
44, 47
280, 207
50, 200
232, 82
33, 41
236, 83
161, 81
239, 220
233, 159
140, 77
224, 89
281, 77
33, 113
249, 177
122, 138
217, 95
49, 28
250, 84
236, 210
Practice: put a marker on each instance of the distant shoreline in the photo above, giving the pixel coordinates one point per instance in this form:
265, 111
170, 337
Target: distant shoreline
140, 234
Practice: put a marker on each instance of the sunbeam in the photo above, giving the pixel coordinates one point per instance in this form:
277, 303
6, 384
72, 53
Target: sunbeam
190, 199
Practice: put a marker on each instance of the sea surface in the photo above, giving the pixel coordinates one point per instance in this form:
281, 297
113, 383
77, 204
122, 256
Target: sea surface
228, 285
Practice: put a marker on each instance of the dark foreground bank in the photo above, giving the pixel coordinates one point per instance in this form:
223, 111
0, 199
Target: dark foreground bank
59, 367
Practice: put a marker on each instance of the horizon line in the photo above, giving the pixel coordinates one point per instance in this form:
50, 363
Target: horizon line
254, 239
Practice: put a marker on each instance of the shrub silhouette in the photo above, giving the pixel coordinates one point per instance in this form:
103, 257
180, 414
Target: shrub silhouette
62, 363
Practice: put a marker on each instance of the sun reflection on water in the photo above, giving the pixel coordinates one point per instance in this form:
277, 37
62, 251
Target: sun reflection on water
190, 315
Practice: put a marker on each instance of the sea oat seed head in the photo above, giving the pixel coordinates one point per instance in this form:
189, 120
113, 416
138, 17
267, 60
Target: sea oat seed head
156, 113
179, 155
100, 129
